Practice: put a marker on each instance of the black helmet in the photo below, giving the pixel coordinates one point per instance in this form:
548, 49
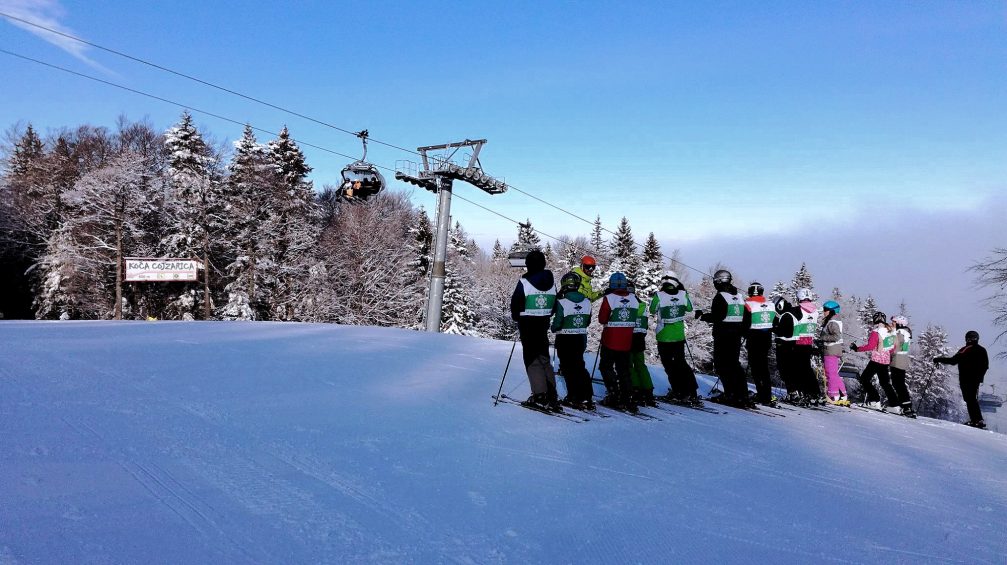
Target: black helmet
570, 281
781, 305
880, 318
971, 337
721, 279
756, 289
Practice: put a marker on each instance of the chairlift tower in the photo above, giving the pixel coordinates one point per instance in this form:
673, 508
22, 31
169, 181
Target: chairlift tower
437, 174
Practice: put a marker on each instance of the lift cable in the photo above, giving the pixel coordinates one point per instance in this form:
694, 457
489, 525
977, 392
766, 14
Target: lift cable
307, 144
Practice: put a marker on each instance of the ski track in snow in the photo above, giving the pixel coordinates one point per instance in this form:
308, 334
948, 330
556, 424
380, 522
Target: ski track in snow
269, 442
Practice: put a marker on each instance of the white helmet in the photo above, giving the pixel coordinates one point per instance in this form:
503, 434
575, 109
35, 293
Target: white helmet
669, 275
804, 294
900, 321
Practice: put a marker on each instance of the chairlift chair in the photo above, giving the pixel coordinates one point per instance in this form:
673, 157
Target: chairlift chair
361, 180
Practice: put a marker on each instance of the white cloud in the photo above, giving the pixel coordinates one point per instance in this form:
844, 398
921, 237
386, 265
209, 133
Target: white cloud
47, 13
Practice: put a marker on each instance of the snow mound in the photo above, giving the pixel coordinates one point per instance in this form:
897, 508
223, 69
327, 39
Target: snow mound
238, 442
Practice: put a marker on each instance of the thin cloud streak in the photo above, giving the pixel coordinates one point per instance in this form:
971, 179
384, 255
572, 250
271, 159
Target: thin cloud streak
48, 13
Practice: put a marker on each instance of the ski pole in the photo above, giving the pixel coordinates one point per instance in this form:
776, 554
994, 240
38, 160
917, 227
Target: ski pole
595, 366
509, 357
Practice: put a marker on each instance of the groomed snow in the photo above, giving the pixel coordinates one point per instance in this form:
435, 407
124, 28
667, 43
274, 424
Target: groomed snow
174, 442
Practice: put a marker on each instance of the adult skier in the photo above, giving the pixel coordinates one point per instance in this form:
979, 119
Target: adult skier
726, 314
973, 362
531, 305
900, 364
670, 305
832, 353
570, 322
643, 385
757, 322
804, 348
618, 317
880, 344
585, 271
786, 339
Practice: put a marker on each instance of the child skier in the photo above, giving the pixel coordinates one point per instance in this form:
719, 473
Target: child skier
531, 304
900, 364
832, 344
783, 327
804, 349
726, 313
570, 322
643, 386
618, 316
670, 306
880, 344
758, 323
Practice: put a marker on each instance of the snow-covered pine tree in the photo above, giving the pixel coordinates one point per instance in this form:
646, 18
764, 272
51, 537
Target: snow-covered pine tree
192, 211
247, 214
930, 384
802, 279
499, 253
699, 335
599, 250
550, 255
294, 229
651, 268
420, 248
457, 314
780, 290
624, 257
865, 315
527, 238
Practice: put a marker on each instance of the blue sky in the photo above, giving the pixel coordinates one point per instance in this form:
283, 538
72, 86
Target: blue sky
702, 122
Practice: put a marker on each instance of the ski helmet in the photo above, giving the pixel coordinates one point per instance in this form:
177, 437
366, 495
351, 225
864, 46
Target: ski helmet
756, 289
900, 321
670, 279
570, 281
588, 263
618, 281
721, 279
833, 306
781, 305
971, 337
880, 318
804, 295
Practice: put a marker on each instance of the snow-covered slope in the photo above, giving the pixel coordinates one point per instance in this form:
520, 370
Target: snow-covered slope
197, 442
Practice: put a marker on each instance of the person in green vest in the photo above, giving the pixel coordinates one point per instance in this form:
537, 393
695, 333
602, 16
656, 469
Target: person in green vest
570, 322
585, 271
669, 306
531, 306
643, 386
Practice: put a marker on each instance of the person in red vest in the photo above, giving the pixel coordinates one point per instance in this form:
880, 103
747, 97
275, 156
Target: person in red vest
619, 309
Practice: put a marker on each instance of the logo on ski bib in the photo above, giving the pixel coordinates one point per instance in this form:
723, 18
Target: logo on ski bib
541, 301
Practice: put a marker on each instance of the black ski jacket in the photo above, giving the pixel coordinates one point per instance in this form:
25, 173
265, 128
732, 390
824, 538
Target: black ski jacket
972, 361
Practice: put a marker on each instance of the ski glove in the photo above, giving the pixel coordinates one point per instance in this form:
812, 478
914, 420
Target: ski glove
698, 314
853, 347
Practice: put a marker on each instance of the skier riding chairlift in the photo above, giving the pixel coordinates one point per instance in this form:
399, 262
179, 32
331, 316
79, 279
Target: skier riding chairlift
361, 180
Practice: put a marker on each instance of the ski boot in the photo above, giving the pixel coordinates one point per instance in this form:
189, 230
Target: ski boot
897, 410
876, 405
539, 401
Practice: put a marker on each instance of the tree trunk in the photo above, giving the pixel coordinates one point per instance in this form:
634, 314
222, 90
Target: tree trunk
118, 270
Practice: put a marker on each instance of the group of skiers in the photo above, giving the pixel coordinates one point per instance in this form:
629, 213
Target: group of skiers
800, 331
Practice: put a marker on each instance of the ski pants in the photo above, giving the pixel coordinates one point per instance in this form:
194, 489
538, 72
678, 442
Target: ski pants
785, 364
874, 369
638, 372
758, 342
680, 375
900, 388
614, 367
534, 332
836, 385
727, 362
970, 394
804, 371
570, 349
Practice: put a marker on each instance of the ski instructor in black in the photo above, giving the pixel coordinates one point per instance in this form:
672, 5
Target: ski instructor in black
531, 306
973, 362
726, 315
